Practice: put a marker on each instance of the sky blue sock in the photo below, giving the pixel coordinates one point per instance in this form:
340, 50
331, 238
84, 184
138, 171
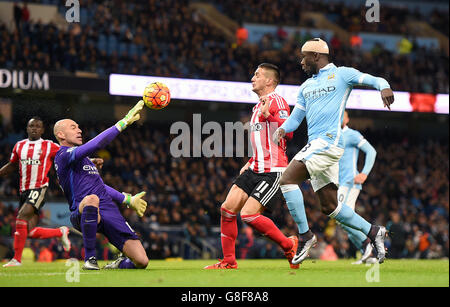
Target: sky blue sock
355, 236
348, 217
294, 201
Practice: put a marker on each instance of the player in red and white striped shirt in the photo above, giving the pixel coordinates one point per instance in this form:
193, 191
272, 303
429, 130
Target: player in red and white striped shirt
34, 157
258, 185
267, 156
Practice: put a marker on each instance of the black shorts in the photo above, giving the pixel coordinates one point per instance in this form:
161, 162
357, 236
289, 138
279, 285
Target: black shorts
264, 187
34, 197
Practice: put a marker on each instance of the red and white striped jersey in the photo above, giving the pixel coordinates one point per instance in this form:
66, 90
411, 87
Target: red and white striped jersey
35, 159
268, 156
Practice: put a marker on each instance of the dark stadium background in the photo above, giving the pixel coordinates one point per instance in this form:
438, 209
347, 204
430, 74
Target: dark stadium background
407, 189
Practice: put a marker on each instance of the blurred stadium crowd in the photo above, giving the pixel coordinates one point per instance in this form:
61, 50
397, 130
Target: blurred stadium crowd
407, 190
349, 17
165, 38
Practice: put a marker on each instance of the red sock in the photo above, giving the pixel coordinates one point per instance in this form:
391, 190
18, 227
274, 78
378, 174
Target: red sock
228, 235
44, 233
20, 237
266, 226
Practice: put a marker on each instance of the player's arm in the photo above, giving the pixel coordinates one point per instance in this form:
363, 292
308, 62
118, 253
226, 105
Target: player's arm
294, 120
269, 113
136, 202
12, 165
291, 124
275, 114
104, 138
246, 166
355, 77
8, 169
371, 154
98, 162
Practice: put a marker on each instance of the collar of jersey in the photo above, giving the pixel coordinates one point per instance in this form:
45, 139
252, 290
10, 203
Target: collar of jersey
32, 142
325, 68
271, 93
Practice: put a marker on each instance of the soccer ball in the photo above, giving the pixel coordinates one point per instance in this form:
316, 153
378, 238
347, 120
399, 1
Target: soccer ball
156, 95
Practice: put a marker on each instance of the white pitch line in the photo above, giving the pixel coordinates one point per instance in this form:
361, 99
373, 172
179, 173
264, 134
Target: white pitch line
41, 274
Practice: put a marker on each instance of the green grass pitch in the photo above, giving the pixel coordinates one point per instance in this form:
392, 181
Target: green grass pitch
251, 273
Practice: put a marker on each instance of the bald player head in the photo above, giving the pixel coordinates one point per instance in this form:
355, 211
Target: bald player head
67, 133
314, 55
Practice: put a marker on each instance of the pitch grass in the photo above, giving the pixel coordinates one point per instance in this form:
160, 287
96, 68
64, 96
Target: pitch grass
251, 273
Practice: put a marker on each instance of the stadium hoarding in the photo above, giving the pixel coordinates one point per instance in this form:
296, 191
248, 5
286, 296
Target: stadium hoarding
55, 212
50, 81
240, 92
25, 80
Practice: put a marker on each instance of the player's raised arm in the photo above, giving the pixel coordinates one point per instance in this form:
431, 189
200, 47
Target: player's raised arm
68, 134
132, 116
355, 77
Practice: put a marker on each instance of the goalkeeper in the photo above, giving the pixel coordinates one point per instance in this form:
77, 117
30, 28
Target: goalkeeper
92, 203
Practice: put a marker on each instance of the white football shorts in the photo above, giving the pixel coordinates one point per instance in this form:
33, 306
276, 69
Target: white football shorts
322, 162
348, 196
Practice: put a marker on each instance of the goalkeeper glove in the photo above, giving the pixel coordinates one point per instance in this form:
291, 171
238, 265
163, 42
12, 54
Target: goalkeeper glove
132, 116
136, 202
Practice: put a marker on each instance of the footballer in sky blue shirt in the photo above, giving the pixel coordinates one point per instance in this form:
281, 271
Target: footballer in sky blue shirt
351, 180
349, 176
322, 100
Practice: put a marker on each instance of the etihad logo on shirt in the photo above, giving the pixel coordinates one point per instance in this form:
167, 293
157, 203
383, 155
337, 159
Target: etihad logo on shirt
319, 92
92, 170
30, 161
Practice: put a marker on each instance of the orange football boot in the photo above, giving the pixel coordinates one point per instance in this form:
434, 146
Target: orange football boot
222, 265
291, 253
